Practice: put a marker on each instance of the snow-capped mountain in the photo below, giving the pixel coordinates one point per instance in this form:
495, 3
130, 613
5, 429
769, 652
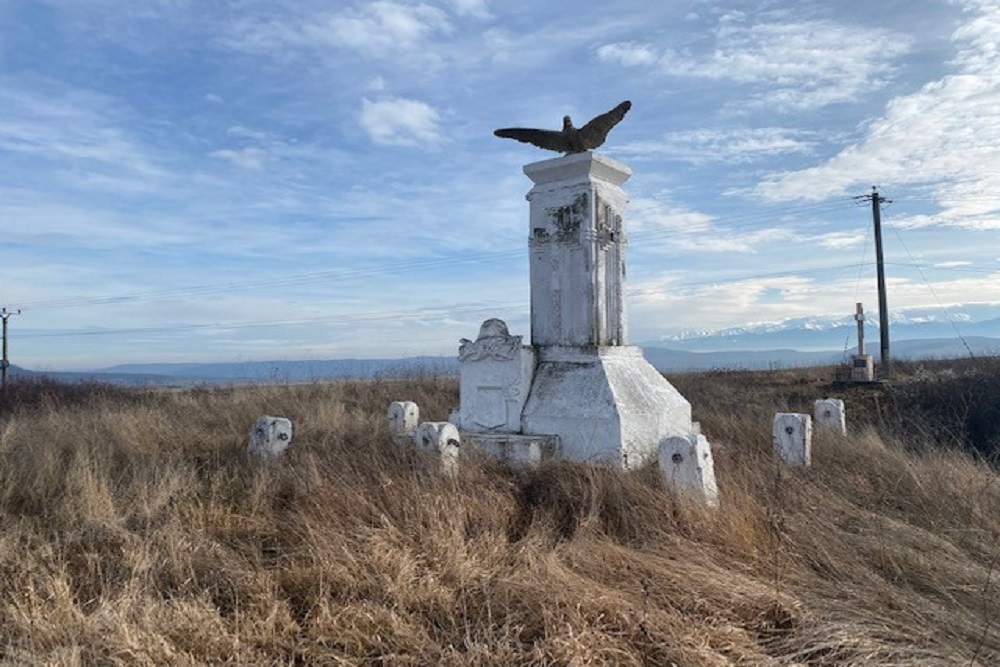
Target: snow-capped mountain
840, 332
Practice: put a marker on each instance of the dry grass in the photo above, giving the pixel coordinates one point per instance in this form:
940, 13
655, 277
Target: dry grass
135, 531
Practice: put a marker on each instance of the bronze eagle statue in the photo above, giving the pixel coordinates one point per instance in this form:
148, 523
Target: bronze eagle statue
570, 139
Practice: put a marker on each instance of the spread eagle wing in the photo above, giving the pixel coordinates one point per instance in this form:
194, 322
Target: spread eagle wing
594, 133
547, 139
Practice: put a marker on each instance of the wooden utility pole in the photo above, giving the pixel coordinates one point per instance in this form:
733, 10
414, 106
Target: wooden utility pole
5, 314
883, 304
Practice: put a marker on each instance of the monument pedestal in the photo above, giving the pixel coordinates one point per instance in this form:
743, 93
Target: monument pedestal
606, 404
579, 383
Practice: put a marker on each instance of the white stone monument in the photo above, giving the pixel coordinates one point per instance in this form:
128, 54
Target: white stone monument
792, 436
442, 440
829, 414
270, 436
580, 384
403, 419
862, 365
686, 465
496, 378
862, 368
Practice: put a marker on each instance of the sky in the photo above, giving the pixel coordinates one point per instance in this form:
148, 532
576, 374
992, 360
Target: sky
242, 180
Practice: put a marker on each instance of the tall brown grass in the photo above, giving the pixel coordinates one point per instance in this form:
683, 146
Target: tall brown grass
134, 530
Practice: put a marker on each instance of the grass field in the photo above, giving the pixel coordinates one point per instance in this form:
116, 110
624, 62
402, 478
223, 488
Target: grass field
134, 530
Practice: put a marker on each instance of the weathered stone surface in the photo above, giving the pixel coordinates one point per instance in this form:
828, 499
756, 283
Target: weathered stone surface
792, 437
862, 368
516, 450
687, 466
495, 373
578, 251
403, 419
607, 405
270, 436
829, 414
441, 439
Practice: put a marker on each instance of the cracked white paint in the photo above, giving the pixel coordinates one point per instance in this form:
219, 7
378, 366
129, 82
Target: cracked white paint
442, 440
687, 466
829, 414
792, 437
270, 436
403, 419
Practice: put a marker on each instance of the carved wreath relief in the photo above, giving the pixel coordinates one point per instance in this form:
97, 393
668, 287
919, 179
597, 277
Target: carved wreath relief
609, 224
494, 342
567, 220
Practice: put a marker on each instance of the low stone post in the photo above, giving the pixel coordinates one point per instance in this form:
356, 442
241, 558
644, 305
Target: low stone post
792, 436
442, 439
403, 419
829, 414
686, 464
270, 436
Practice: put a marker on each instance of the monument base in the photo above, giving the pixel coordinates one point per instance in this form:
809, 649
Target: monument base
862, 368
606, 404
514, 449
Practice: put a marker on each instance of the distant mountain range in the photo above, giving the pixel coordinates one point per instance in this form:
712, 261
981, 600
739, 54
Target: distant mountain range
916, 334
839, 333
173, 374
664, 359
673, 360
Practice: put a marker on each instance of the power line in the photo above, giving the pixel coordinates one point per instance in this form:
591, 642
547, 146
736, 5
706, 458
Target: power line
294, 279
960, 269
729, 223
397, 315
371, 316
934, 294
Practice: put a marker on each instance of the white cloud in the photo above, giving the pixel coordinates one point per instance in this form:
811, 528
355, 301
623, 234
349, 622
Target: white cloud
474, 8
951, 265
628, 54
734, 146
69, 125
652, 215
245, 158
376, 28
247, 133
380, 29
790, 66
401, 122
839, 240
661, 225
944, 137
713, 305
953, 216
979, 35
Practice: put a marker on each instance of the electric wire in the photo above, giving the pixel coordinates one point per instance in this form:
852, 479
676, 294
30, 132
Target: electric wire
397, 315
730, 223
933, 293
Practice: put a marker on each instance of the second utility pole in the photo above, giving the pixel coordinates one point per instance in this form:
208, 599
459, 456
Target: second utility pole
4, 364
